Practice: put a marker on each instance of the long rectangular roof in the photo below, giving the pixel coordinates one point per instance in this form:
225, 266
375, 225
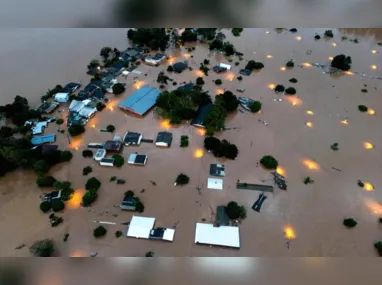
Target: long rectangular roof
140, 227
141, 101
201, 115
223, 235
51, 138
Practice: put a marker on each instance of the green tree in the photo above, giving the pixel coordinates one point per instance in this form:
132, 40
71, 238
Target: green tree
170, 68
184, 141
42, 248
76, 130
92, 184
87, 170
162, 78
211, 143
279, 88
87, 153
237, 31
129, 193
228, 49
363, 108
228, 101
293, 80
317, 37
254, 65
290, 64
41, 166
119, 161
207, 33
329, 34
99, 231
59, 121
341, 62
234, 211
188, 36
45, 181
218, 82
110, 128
334, 146
66, 155
378, 247
269, 162
349, 223
139, 206
155, 38
216, 45
290, 91
230, 150
118, 88
93, 63
149, 254
182, 179
255, 106
89, 197
100, 106
45, 206
199, 81
118, 234
58, 205
130, 34
105, 52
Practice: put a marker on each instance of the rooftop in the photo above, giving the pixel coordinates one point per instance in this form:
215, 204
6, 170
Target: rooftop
140, 227
132, 138
164, 137
141, 101
223, 235
114, 146
201, 115
217, 170
222, 218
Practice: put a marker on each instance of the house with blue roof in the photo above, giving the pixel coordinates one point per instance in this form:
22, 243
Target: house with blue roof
38, 140
141, 101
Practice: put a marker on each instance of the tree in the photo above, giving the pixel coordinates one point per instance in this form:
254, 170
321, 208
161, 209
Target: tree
92, 184
118, 160
99, 231
334, 146
87, 153
269, 162
45, 181
230, 150
211, 143
110, 128
207, 33
228, 49
155, 38
279, 88
293, 80
237, 31
41, 166
129, 193
216, 45
118, 88
317, 37
218, 82
188, 36
86, 170
184, 141
45, 206
234, 211
93, 64
118, 234
228, 101
149, 254
341, 62
130, 34
139, 206
308, 180
170, 68
290, 91
42, 248
290, 63
59, 121
76, 130
360, 183
293, 30
89, 198
66, 155
253, 65
329, 34
58, 205
182, 179
162, 78
255, 106
378, 247
362, 108
240, 78
105, 52
199, 81
349, 223
100, 106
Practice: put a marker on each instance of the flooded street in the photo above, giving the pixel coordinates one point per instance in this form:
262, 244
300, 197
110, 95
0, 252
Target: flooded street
35, 60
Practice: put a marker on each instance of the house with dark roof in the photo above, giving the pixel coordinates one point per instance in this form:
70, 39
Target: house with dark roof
113, 146
179, 67
88, 91
222, 218
92, 71
246, 72
217, 170
131, 138
219, 69
141, 101
201, 115
164, 139
71, 87
128, 204
188, 86
137, 159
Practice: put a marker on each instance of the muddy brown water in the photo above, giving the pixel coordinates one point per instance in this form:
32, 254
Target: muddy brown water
38, 60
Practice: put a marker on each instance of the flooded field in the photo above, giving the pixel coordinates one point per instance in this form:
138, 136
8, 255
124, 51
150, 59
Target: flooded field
299, 134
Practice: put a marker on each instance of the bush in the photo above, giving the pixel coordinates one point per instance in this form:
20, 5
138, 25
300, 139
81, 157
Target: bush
378, 247
66, 236
253, 65
66, 155
334, 146
45, 206
206, 61
92, 184
240, 78
182, 179
66, 193
290, 63
293, 30
349, 223
87, 170
118, 88
218, 82
230, 150
113, 178
170, 68
42, 248
184, 141
199, 81
118, 234
99, 231
269, 162
129, 193
87, 153
149, 254
211, 143
110, 128
118, 160
236, 31
89, 198
362, 108
317, 37
329, 34
100, 106
255, 106
364, 90
174, 83
228, 101
58, 205
360, 183
341, 62
45, 181
293, 80
234, 211
75, 130
290, 91
41, 166
308, 180
59, 121
279, 88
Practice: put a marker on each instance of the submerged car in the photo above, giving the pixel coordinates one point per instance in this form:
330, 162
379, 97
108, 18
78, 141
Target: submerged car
121, 181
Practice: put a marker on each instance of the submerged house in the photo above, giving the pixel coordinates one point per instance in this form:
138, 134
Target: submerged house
188, 86
163, 139
100, 154
71, 87
245, 102
113, 146
107, 162
179, 67
155, 60
137, 159
48, 107
131, 138
61, 97
88, 91
141, 101
201, 115
128, 204
143, 227
37, 140
209, 234
84, 108
217, 170
246, 72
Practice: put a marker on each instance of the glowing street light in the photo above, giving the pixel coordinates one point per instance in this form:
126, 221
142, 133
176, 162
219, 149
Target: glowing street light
267, 32
282, 68
368, 187
310, 164
289, 233
280, 171
309, 124
371, 111
307, 64
373, 66
309, 112
373, 51
198, 153
330, 58
334, 44
269, 56
299, 38
368, 145
272, 86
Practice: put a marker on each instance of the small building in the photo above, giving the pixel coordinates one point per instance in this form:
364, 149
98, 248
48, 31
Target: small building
100, 154
39, 127
201, 115
137, 159
155, 60
128, 204
140, 227
48, 107
217, 170
179, 67
50, 197
88, 91
38, 140
82, 108
219, 69
222, 218
131, 138
164, 139
216, 184
188, 86
71, 87
246, 103
75, 118
141, 101
95, 145
162, 234
107, 162
87, 112
226, 66
113, 146
222, 236
61, 97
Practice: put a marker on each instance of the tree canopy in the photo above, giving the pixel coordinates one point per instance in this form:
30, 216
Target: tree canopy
254, 65
189, 36
19, 111
182, 179
118, 88
269, 162
92, 184
118, 160
221, 148
207, 33
42, 248
228, 101
341, 62
155, 38
255, 106
234, 211
76, 130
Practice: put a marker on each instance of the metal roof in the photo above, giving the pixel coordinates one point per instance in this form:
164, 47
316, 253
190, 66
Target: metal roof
140, 227
201, 115
141, 101
223, 235
43, 139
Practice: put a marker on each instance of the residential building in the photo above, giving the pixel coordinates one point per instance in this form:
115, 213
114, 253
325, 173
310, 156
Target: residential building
188, 86
217, 170
179, 67
61, 97
128, 204
143, 227
137, 159
71, 87
113, 146
228, 236
100, 154
107, 162
131, 138
201, 115
37, 140
164, 139
141, 101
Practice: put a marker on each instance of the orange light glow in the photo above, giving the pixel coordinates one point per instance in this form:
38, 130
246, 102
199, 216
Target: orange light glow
289, 232
295, 101
368, 145
310, 164
199, 73
281, 171
307, 64
93, 126
219, 91
271, 86
330, 58
187, 55
230, 76
75, 201
309, 124
201, 131
299, 38
165, 124
371, 111
334, 44
78, 254
374, 207
373, 66
138, 84
373, 51
269, 56
111, 108
309, 112
198, 153
368, 187
171, 60
282, 68
349, 73
344, 122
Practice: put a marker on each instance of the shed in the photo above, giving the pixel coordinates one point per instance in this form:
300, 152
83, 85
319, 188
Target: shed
37, 140
131, 138
112, 146
162, 234
217, 170
137, 159
222, 218
226, 66
128, 204
201, 115
61, 97
164, 139
216, 184
140, 227
222, 235
100, 154
107, 162
141, 101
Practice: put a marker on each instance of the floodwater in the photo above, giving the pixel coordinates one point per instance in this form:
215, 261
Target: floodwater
311, 215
